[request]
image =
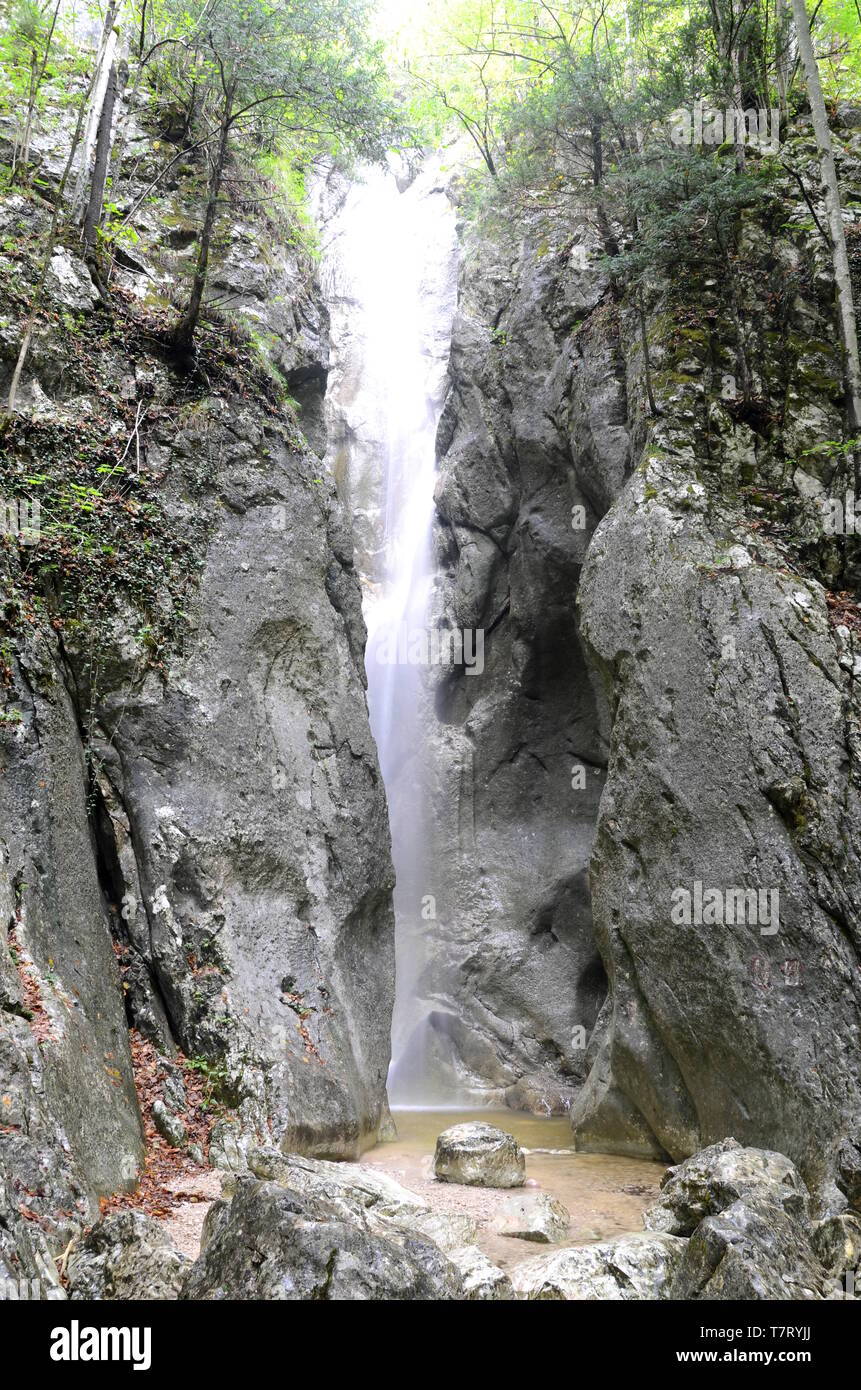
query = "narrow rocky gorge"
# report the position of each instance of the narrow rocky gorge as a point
(595, 893)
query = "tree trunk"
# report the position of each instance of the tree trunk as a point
(780, 16)
(489, 160)
(142, 37)
(723, 31)
(739, 123)
(839, 253)
(49, 251)
(122, 120)
(21, 153)
(596, 136)
(633, 69)
(100, 170)
(104, 59)
(35, 84)
(183, 334)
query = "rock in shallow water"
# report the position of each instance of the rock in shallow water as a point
(532, 1216)
(633, 1267)
(270, 1243)
(479, 1155)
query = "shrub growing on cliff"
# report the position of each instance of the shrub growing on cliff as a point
(306, 69)
(25, 50)
(681, 210)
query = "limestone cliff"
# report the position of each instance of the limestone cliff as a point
(670, 695)
(193, 825)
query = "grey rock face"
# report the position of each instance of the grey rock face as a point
(267, 863)
(748, 726)
(849, 1169)
(706, 676)
(836, 1241)
(732, 1223)
(173, 1089)
(70, 1106)
(241, 819)
(631, 1268)
(33, 1178)
(354, 1192)
(533, 1216)
(70, 282)
(713, 1179)
(479, 1155)
(751, 1250)
(270, 1243)
(540, 1096)
(604, 1120)
(849, 115)
(227, 1147)
(733, 764)
(449, 1230)
(128, 1256)
(374, 1201)
(228, 826)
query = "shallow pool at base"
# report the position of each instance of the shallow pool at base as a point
(605, 1195)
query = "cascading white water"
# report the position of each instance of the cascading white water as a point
(390, 280)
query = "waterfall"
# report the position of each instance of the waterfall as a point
(389, 274)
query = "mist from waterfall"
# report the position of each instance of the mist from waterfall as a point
(390, 279)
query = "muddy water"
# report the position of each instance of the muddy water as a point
(605, 1196)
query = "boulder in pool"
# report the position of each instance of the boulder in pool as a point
(479, 1155)
(532, 1216)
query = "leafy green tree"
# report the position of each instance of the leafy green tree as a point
(681, 209)
(306, 67)
(461, 66)
(25, 50)
(51, 242)
(837, 232)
